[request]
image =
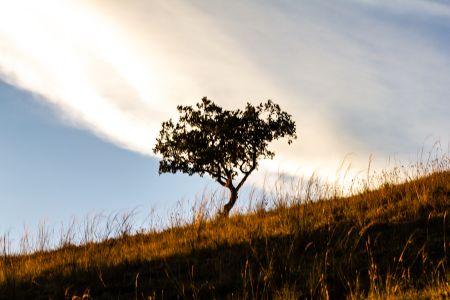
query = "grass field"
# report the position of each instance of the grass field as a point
(389, 239)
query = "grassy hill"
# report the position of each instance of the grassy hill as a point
(391, 242)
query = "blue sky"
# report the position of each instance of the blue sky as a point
(85, 85)
(53, 173)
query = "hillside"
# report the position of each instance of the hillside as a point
(390, 242)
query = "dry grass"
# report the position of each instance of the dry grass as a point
(387, 242)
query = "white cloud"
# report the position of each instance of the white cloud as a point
(120, 73)
(355, 80)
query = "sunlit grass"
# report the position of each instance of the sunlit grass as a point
(388, 238)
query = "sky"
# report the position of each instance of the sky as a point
(85, 85)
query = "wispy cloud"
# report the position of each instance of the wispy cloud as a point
(118, 73)
(355, 75)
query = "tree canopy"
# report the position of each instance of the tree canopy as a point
(226, 144)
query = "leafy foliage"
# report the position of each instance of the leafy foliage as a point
(225, 144)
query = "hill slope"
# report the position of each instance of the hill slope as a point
(393, 241)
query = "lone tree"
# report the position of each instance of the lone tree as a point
(226, 144)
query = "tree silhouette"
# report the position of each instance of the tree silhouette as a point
(226, 144)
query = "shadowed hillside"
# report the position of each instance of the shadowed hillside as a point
(391, 241)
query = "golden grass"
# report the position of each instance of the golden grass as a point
(389, 242)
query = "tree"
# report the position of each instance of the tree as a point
(226, 144)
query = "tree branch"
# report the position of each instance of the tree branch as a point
(220, 178)
(254, 164)
(228, 173)
(245, 178)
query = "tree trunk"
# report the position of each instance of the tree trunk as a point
(230, 204)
